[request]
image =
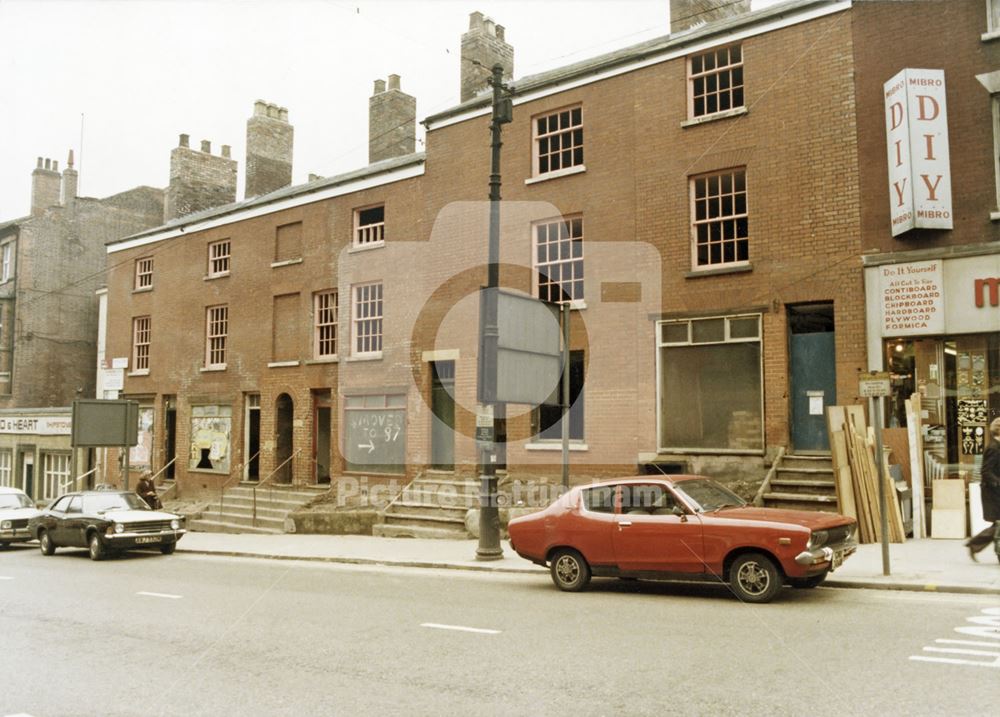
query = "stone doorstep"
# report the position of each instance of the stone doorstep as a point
(215, 526)
(391, 530)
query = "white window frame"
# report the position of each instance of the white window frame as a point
(141, 333)
(55, 474)
(219, 258)
(371, 235)
(727, 339)
(721, 219)
(367, 314)
(569, 129)
(566, 227)
(715, 71)
(992, 19)
(7, 261)
(6, 465)
(326, 305)
(216, 335)
(144, 273)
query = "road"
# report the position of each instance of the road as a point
(200, 635)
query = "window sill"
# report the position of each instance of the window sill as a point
(556, 446)
(286, 262)
(206, 471)
(721, 271)
(995, 216)
(364, 357)
(738, 112)
(212, 277)
(282, 364)
(212, 369)
(579, 169)
(358, 248)
(138, 373)
(143, 290)
(990, 36)
(325, 359)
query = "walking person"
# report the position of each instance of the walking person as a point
(990, 487)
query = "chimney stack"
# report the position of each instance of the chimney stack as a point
(45, 186)
(269, 150)
(484, 43)
(688, 14)
(70, 181)
(198, 180)
(392, 121)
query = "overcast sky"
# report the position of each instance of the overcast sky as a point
(120, 80)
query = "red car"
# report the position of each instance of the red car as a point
(683, 527)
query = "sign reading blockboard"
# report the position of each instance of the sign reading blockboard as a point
(98, 422)
(375, 439)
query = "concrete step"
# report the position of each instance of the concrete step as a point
(796, 460)
(425, 510)
(438, 496)
(795, 471)
(242, 503)
(301, 494)
(392, 530)
(800, 486)
(425, 520)
(276, 522)
(800, 501)
(217, 526)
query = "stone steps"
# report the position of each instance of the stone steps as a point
(234, 511)
(429, 507)
(803, 482)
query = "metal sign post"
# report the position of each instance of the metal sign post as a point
(876, 385)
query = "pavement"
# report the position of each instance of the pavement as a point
(925, 565)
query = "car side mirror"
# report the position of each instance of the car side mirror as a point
(678, 511)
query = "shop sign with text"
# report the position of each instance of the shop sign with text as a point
(916, 124)
(36, 425)
(912, 298)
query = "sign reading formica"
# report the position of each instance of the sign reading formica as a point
(916, 127)
(912, 298)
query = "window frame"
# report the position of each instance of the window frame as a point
(376, 227)
(721, 219)
(571, 222)
(357, 336)
(141, 339)
(578, 404)
(332, 326)
(537, 138)
(7, 263)
(716, 71)
(50, 475)
(216, 259)
(992, 19)
(215, 316)
(143, 280)
(7, 467)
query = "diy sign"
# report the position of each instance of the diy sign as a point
(916, 127)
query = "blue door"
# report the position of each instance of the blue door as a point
(814, 387)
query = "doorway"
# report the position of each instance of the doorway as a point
(443, 410)
(251, 438)
(284, 417)
(170, 435)
(812, 374)
(27, 461)
(321, 435)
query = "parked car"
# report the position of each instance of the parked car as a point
(683, 527)
(16, 509)
(105, 522)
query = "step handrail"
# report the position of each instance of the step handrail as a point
(237, 475)
(75, 482)
(266, 480)
(758, 499)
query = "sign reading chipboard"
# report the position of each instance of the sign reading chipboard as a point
(916, 126)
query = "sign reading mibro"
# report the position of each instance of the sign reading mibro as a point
(916, 128)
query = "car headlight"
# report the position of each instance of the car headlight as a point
(6, 525)
(175, 524)
(818, 539)
(119, 528)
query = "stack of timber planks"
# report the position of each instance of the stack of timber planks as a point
(852, 445)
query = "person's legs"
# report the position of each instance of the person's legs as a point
(996, 538)
(981, 539)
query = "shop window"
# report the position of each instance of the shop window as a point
(141, 454)
(6, 474)
(375, 433)
(211, 432)
(55, 475)
(710, 385)
(548, 418)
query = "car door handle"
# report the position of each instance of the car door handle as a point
(624, 524)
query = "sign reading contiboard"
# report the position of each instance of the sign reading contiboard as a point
(874, 384)
(916, 128)
(912, 298)
(98, 422)
(375, 439)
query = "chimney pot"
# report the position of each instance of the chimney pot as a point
(55, 165)
(272, 111)
(500, 32)
(39, 163)
(393, 82)
(206, 146)
(226, 150)
(69, 161)
(48, 163)
(260, 107)
(283, 114)
(379, 87)
(184, 141)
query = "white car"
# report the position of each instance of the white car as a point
(16, 509)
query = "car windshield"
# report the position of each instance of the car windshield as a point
(707, 495)
(15, 500)
(113, 501)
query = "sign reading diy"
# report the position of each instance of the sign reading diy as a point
(916, 125)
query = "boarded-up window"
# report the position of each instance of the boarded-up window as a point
(288, 242)
(285, 336)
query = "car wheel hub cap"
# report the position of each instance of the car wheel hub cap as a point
(753, 578)
(567, 570)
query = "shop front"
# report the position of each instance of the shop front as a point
(934, 325)
(35, 451)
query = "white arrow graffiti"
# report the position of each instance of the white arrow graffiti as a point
(370, 446)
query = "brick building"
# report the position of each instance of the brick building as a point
(702, 201)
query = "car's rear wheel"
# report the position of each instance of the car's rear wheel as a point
(95, 547)
(570, 571)
(45, 543)
(807, 583)
(168, 549)
(754, 578)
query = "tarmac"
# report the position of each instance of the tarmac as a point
(925, 565)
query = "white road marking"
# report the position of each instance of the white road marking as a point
(19, 714)
(961, 651)
(987, 625)
(7, 577)
(460, 628)
(952, 661)
(970, 643)
(161, 595)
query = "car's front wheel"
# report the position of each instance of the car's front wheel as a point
(807, 583)
(754, 578)
(95, 547)
(168, 549)
(570, 571)
(45, 543)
